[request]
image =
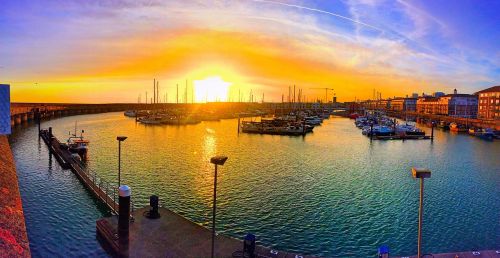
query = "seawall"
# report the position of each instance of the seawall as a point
(13, 236)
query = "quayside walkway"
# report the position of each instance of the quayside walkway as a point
(172, 235)
(470, 254)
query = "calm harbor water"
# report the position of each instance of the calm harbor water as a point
(331, 193)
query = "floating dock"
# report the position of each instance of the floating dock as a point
(101, 189)
(401, 137)
(172, 235)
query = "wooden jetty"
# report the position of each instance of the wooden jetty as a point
(101, 189)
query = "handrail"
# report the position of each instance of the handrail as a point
(104, 187)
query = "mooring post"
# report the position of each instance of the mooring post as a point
(50, 135)
(371, 131)
(432, 131)
(37, 119)
(238, 123)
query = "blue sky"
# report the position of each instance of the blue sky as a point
(397, 46)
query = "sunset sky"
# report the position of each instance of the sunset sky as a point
(110, 51)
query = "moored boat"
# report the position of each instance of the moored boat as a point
(454, 127)
(407, 129)
(487, 134)
(77, 144)
(130, 113)
(353, 115)
(443, 125)
(151, 120)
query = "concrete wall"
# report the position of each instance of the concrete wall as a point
(13, 236)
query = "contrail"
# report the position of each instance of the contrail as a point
(321, 11)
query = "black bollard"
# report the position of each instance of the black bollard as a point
(249, 246)
(153, 212)
(124, 212)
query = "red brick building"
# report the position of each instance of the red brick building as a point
(489, 103)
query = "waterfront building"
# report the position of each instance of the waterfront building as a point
(404, 104)
(385, 104)
(460, 105)
(489, 103)
(456, 105)
(431, 105)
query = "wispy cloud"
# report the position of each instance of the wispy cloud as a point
(375, 42)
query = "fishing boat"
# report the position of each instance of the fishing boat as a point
(77, 144)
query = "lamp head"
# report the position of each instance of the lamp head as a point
(121, 138)
(421, 173)
(218, 160)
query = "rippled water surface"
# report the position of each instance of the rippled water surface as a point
(331, 193)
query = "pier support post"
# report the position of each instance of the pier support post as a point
(50, 135)
(38, 118)
(124, 218)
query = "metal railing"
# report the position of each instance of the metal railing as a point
(101, 186)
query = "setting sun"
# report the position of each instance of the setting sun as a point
(211, 89)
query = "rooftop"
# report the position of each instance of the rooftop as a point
(490, 89)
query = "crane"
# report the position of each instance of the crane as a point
(326, 92)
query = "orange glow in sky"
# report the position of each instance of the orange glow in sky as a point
(101, 53)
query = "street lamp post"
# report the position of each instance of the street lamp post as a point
(120, 139)
(217, 160)
(420, 173)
